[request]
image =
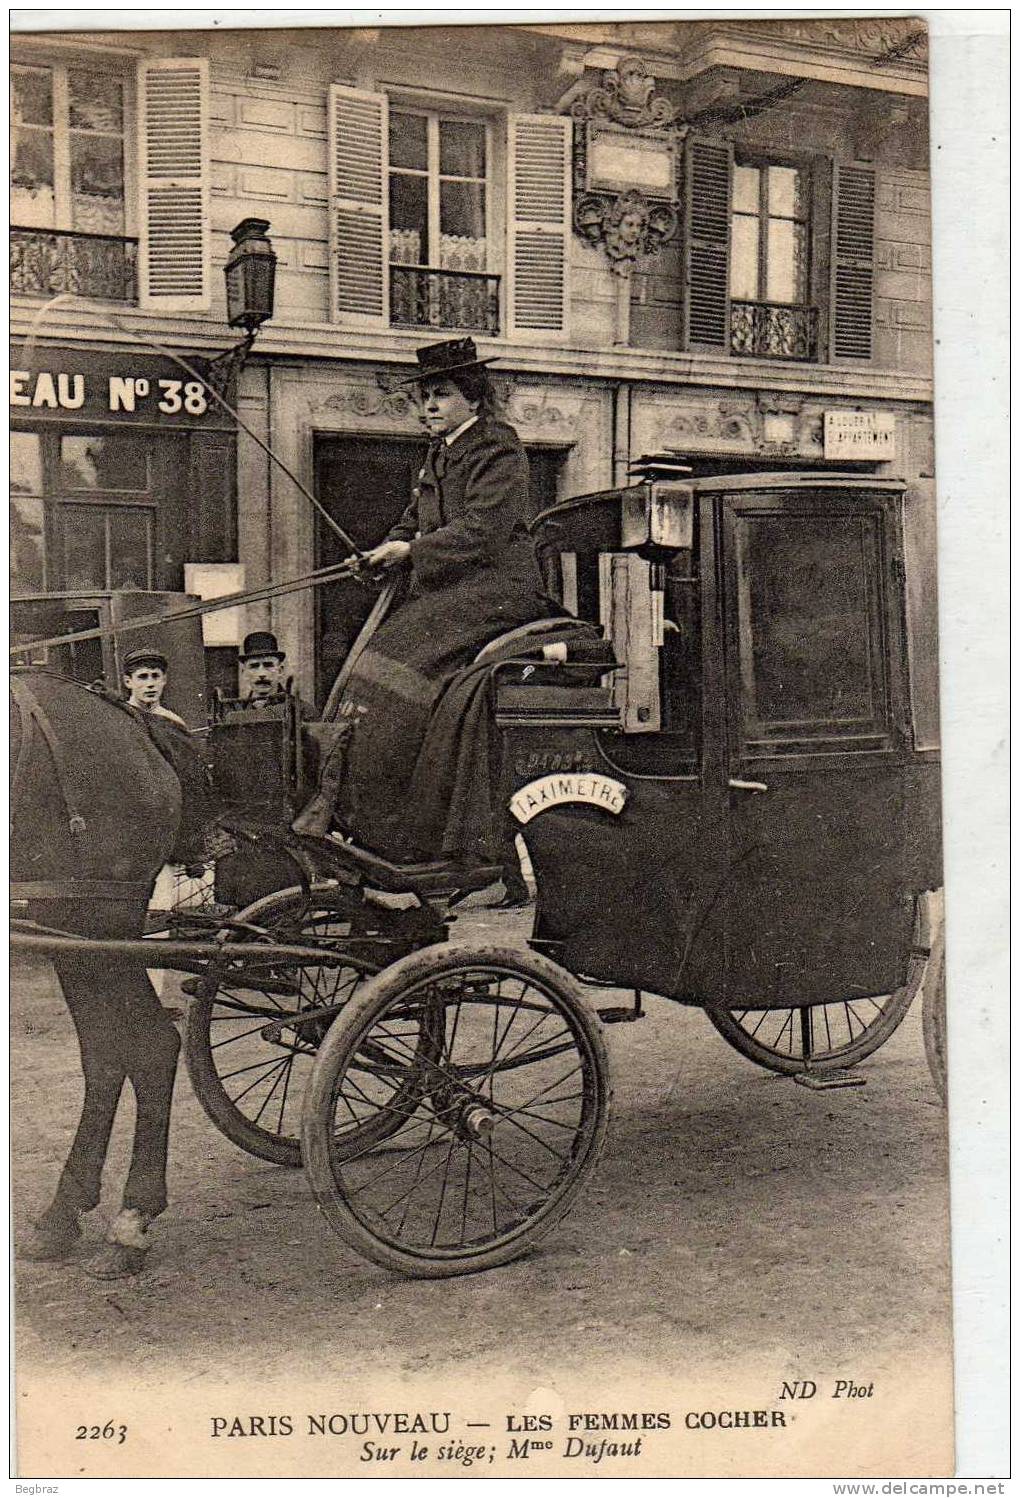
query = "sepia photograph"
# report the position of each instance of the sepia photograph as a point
(478, 980)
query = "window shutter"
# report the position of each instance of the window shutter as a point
(708, 178)
(359, 207)
(853, 262)
(174, 271)
(539, 159)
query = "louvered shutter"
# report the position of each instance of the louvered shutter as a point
(173, 258)
(539, 159)
(359, 207)
(708, 177)
(851, 297)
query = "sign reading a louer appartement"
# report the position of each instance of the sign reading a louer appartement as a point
(860, 434)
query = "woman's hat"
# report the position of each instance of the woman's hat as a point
(261, 642)
(144, 658)
(437, 360)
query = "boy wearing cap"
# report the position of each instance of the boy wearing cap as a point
(145, 679)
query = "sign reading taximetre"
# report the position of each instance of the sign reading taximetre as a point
(588, 789)
(868, 435)
(82, 384)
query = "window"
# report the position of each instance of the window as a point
(92, 216)
(777, 258)
(28, 573)
(83, 514)
(68, 131)
(770, 234)
(770, 249)
(68, 178)
(412, 239)
(439, 233)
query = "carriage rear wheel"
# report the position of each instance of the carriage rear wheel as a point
(247, 1059)
(818, 1037)
(484, 1072)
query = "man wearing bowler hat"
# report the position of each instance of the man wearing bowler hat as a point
(260, 674)
(145, 678)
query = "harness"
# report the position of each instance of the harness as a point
(34, 717)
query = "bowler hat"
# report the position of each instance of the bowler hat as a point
(437, 360)
(145, 657)
(261, 642)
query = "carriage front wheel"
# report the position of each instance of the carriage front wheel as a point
(485, 1074)
(248, 1054)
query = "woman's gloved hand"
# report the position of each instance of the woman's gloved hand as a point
(389, 554)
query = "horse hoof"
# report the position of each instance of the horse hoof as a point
(49, 1244)
(116, 1261)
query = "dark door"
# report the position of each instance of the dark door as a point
(365, 483)
(816, 904)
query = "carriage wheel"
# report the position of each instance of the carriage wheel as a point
(933, 1020)
(818, 1037)
(489, 1072)
(249, 1072)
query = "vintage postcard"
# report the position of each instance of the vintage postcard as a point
(477, 1001)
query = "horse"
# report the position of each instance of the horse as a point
(96, 812)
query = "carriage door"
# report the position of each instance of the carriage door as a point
(815, 908)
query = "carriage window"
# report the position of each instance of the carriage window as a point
(812, 656)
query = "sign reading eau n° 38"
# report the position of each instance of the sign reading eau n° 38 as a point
(115, 394)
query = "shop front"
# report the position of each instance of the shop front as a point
(122, 472)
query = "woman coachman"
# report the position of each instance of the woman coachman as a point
(420, 767)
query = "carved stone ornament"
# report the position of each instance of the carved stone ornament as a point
(626, 97)
(627, 226)
(888, 38)
(371, 400)
(626, 222)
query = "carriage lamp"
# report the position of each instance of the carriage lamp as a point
(250, 274)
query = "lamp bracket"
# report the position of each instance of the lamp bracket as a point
(219, 371)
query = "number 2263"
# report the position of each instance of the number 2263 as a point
(107, 1432)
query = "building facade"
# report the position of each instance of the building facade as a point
(705, 237)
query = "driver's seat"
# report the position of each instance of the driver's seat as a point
(530, 636)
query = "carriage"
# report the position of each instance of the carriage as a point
(710, 758)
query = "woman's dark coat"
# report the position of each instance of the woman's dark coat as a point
(473, 576)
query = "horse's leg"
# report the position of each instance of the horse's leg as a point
(57, 1231)
(149, 1046)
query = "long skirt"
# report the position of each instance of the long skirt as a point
(423, 760)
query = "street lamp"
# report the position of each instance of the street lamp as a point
(250, 274)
